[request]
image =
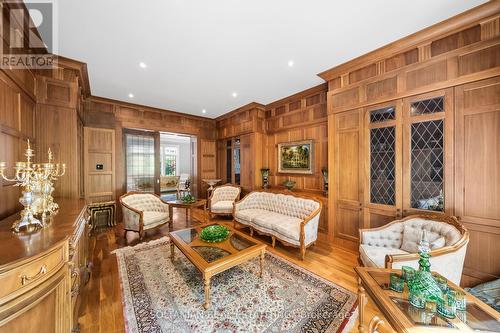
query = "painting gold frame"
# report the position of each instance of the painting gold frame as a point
(309, 169)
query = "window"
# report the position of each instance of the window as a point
(170, 160)
(140, 162)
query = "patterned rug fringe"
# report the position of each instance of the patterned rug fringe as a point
(352, 321)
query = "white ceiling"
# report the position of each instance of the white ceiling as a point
(199, 52)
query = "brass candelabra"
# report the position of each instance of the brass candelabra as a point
(36, 181)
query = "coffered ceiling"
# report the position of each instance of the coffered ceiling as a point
(218, 55)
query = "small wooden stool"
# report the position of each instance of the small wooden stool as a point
(102, 215)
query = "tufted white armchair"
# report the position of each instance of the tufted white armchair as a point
(222, 199)
(143, 211)
(395, 244)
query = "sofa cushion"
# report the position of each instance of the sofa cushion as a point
(289, 227)
(268, 219)
(412, 237)
(438, 243)
(435, 229)
(154, 218)
(224, 206)
(249, 214)
(374, 256)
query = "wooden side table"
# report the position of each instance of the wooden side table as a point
(188, 206)
(404, 317)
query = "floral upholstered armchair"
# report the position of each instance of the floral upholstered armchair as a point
(396, 244)
(143, 211)
(222, 199)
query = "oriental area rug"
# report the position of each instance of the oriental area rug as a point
(164, 296)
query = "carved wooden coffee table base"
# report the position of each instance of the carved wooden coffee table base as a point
(213, 258)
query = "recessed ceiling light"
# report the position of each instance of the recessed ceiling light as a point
(131, 95)
(142, 65)
(203, 111)
(235, 94)
(290, 63)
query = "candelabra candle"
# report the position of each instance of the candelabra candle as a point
(37, 187)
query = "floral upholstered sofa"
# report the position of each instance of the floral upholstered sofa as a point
(143, 211)
(396, 244)
(290, 219)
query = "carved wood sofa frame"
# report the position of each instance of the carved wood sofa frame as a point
(452, 220)
(302, 235)
(141, 219)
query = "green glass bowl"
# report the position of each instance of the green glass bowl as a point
(214, 234)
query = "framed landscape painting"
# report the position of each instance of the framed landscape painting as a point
(296, 157)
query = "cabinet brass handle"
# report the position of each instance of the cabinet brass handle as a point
(25, 279)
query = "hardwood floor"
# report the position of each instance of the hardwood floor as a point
(102, 309)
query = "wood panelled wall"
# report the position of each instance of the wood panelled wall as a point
(248, 124)
(41, 106)
(99, 149)
(59, 125)
(298, 117)
(17, 116)
(460, 60)
(261, 128)
(106, 113)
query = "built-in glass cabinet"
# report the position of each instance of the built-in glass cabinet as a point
(407, 145)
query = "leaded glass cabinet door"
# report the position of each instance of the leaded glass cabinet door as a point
(383, 165)
(428, 153)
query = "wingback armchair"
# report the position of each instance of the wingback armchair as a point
(222, 199)
(143, 211)
(395, 244)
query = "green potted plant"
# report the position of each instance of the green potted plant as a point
(289, 184)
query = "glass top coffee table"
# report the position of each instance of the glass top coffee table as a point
(213, 258)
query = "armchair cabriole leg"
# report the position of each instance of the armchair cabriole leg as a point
(302, 251)
(274, 241)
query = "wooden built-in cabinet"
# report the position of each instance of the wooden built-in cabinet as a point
(43, 274)
(477, 175)
(408, 157)
(346, 176)
(414, 127)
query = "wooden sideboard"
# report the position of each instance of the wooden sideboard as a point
(42, 274)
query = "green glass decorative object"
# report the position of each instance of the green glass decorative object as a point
(189, 199)
(408, 273)
(289, 184)
(417, 298)
(397, 283)
(460, 300)
(431, 305)
(448, 308)
(442, 283)
(423, 281)
(214, 233)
